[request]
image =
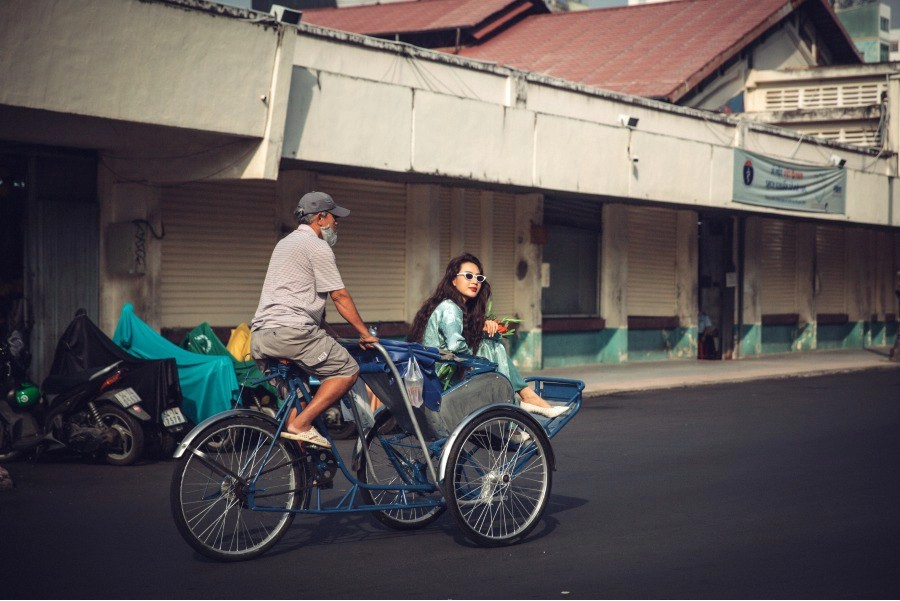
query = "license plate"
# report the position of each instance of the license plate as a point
(172, 417)
(127, 397)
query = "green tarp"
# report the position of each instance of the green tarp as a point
(203, 340)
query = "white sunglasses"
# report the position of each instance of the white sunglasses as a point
(469, 275)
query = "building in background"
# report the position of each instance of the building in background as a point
(869, 25)
(608, 218)
(844, 104)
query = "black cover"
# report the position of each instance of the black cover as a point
(84, 346)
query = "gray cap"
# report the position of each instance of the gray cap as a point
(318, 202)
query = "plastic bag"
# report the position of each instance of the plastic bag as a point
(414, 381)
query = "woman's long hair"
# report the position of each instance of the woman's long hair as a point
(473, 308)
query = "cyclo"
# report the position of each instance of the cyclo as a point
(237, 484)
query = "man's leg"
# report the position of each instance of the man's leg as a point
(329, 392)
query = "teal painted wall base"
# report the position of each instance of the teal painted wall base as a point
(562, 349)
(881, 333)
(760, 340)
(654, 345)
(524, 349)
(750, 341)
(620, 345)
(840, 336)
(804, 338)
(778, 339)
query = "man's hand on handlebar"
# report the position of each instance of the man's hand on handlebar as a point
(367, 340)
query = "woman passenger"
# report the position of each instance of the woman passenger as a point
(453, 319)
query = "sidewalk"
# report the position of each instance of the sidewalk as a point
(602, 379)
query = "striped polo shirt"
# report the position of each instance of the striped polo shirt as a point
(301, 273)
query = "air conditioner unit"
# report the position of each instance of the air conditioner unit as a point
(286, 15)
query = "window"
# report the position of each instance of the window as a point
(884, 55)
(572, 255)
(885, 24)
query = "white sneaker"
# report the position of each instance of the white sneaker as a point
(551, 412)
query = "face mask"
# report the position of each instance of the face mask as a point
(329, 235)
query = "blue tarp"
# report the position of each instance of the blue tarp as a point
(208, 383)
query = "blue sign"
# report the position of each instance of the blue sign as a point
(768, 182)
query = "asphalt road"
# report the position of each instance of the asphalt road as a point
(769, 489)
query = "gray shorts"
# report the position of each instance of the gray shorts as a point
(310, 347)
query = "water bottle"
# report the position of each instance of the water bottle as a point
(414, 382)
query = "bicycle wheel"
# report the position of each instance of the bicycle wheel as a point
(213, 484)
(397, 458)
(498, 488)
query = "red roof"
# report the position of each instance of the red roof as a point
(400, 17)
(657, 50)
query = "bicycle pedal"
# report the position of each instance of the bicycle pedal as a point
(322, 467)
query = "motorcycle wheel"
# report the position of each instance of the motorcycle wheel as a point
(7, 453)
(338, 427)
(129, 444)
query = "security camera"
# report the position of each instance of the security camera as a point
(635, 158)
(628, 121)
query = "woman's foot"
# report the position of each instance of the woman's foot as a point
(533, 403)
(550, 411)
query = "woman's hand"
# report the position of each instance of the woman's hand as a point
(491, 327)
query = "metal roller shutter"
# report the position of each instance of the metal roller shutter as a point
(472, 223)
(573, 256)
(778, 264)
(444, 215)
(371, 248)
(218, 240)
(651, 262)
(503, 261)
(831, 268)
(584, 214)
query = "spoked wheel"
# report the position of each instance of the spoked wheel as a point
(397, 458)
(498, 486)
(127, 444)
(213, 485)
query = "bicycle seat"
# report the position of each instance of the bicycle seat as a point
(283, 370)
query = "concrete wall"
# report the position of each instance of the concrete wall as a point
(377, 105)
(138, 62)
(169, 94)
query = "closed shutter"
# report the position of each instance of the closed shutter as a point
(584, 214)
(445, 195)
(831, 269)
(218, 239)
(572, 254)
(503, 261)
(651, 262)
(779, 267)
(472, 222)
(371, 248)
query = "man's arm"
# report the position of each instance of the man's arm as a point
(347, 308)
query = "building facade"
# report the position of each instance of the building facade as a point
(157, 161)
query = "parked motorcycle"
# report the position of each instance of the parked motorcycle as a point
(83, 346)
(87, 412)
